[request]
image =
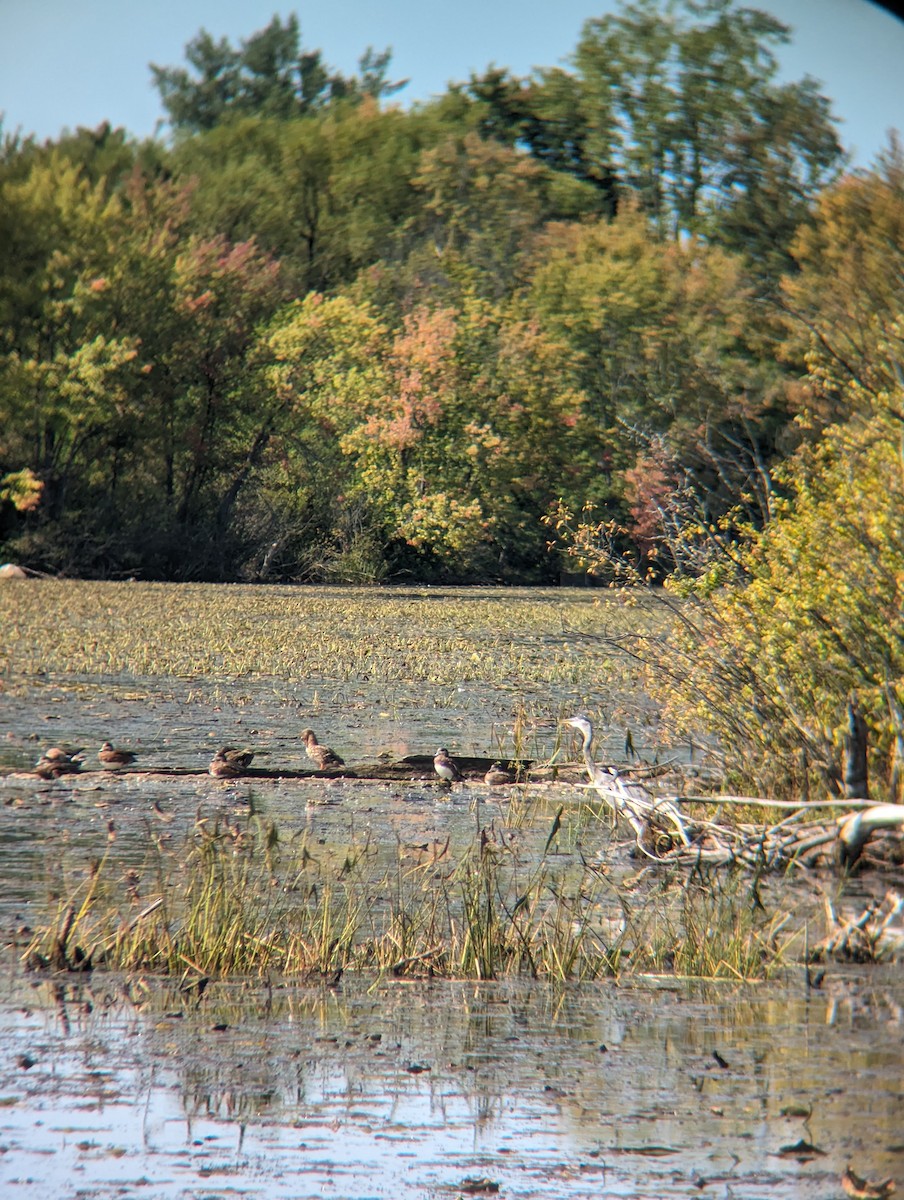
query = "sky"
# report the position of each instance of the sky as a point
(66, 63)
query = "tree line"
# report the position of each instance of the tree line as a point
(314, 335)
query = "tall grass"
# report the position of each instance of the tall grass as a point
(234, 901)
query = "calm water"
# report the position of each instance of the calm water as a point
(114, 1087)
(409, 1090)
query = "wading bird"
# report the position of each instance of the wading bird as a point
(111, 757)
(325, 758)
(230, 763)
(597, 774)
(445, 767)
(631, 800)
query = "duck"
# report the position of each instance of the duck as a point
(230, 763)
(445, 767)
(56, 762)
(111, 757)
(498, 775)
(325, 758)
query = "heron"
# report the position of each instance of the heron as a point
(597, 774)
(631, 800)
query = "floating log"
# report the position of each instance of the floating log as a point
(413, 767)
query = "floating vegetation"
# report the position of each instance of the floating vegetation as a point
(237, 900)
(391, 635)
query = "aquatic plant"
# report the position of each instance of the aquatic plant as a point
(237, 901)
(193, 630)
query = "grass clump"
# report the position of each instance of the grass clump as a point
(236, 901)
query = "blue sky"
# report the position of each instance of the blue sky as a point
(65, 63)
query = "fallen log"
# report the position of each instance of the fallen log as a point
(412, 768)
(865, 937)
(856, 830)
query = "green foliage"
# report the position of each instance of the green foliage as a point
(327, 195)
(663, 348)
(267, 75)
(819, 618)
(845, 299)
(320, 339)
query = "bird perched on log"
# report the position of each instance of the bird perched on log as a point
(446, 767)
(325, 758)
(230, 763)
(110, 756)
(56, 762)
(498, 775)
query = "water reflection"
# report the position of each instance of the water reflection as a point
(646, 1091)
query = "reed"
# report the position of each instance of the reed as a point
(236, 902)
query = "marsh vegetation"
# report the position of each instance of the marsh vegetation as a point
(528, 880)
(210, 977)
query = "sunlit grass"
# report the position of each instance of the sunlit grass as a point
(443, 638)
(235, 901)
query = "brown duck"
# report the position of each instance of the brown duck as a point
(230, 763)
(56, 762)
(110, 756)
(446, 767)
(498, 775)
(325, 758)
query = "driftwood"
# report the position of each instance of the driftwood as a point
(413, 768)
(663, 830)
(855, 830)
(865, 937)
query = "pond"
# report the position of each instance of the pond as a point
(370, 1085)
(116, 1087)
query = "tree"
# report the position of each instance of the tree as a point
(326, 372)
(676, 106)
(664, 339)
(328, 194)
(268, 75)
(479, 426)
(842, 304)
(481, 205)
(128, 388)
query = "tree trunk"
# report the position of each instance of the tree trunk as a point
(856, 784)
(896, 711)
